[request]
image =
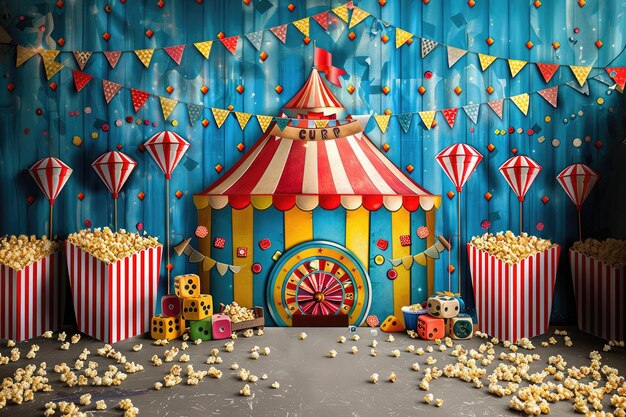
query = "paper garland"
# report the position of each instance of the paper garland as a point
(220, 116)
(522, 102)
(402, 36)
(145, 56)
(167, 106)
(485, 61)
(256, 39)
(428, 46)
(280, 32)
(550, 95)
(358, 15)
(515, 65)
(81, 58)
(427, 118)
(303, 26)
(432, 252)
(497, 106)
(382, 120)
(454, 54)
(242, 118)
(580, 73)
(175, 52)
(113, 57)
(207, 262)
(204, 48)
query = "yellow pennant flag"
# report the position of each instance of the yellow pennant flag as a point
(521, 101)
(4, 36)
(220, 116)
(167, 105)
(23, 55)
(580, 73)
(383, 121)
(407, 262)
(242, 118)
(420, 258)
(204, 48)
(49, 64)
(303, 26)
(342, 12)
(264, 121)
(145, 56)
(428, 117)
(402, 36)
(358, 15)
(49, 55)
(321, 123)
(208, 264)
(516, 66)
(485, 61)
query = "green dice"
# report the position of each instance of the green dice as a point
(201, 329)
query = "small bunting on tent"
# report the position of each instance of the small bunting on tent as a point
(176, 53)
(454, 54)
(303, 26)
(81, 79)
(322, 19)
(421, 258)
(139, 98)
(358, 15)
(219, 115)
(515, 65)
(145, 56)
(207, 263)
(222, 268)
(242, 118)
(230, 43)
(618, 75)
(485, 61)
(81, 58)
(23, 55)
(282, 122)
(167, 106)
(382, 120)
(110, 89)
(321, 123)
(280, 32)
(427, 118)
(194, 111)
(204, 48)
(402, 36)
(522, 101)
(450, 115)
(405, 121)
(584, 89)
(547, 70)
(550, 94)
(496, 106)
(472, 112)
(580, 73)
(342, 12)
(256, 39)
(363, 119)
(428, 46)
(113, 57)
(264, 121)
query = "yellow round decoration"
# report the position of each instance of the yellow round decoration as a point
(379, 259)
(600, 100)
(174, 123)
(94, 135)
(548, 119)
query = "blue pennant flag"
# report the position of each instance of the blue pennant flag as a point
(282, 122)
(582, 90)
(195, 111)
(256, 38)
(405, 121)
(472, 112)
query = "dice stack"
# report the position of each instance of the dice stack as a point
(444, 318)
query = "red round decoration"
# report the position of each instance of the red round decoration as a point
(423, 232)
(105, 127)
(256, 268)
(87, 223)
(146, 122)
(38, 112)
(511, 129)
(372, 320)
(139, 226)
(576, 30)
(485, 224)
(129, 119)
(539, 226)
(201, 231)
(531, 132)
(428, 75)
(392, 274)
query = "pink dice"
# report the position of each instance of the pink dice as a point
(171, 306)
(221, 326)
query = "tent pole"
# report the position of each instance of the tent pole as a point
(167, 230)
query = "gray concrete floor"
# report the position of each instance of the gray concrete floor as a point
(310, 383)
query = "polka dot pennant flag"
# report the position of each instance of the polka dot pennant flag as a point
(113, 57)
(342, 12)
(405, 121)
(81, 58)
(454, 54)
(264, 121)
(175, 52)
(450, 115)
(139, 98)
(110, 89)
(303, 26)
(230, 43)
(496, 106)
(256, 39)
(320, 123)
(280, 32)
(427, 46)
(427, 118)
(282, 122)
(382, 120)
(23, 55)
(402, 36)
(242, 118)
(145, 56)
(358, 15)
(167, 105)
(550, 94)
(522, 102)
(322, 19)
(580, 73)
(194, 111)
(515, 65)
(204, 48)
(547, 70)
(219, 115)
(472, 112)
(618, 75)
(485, 61)
(81, 79)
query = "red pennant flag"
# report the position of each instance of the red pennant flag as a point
(139, 98)
(280, 32)
(550, 94)
(113, 57)
(497, 106)
(230, 43)
(618, 75)
(322, 19)
(323, 60)
(450, 115)
(81, 79)
(110, 89)
(175, 52)
(547, 70)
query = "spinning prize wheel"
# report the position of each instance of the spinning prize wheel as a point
(318, 278)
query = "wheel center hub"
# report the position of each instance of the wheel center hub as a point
(318, 297)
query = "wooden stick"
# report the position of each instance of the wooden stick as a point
(580, 228)
(458, 208)
(50, 231)
(167, 230)
(521, 217)
(115, 213)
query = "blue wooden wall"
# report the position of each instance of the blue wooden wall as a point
(26, 137)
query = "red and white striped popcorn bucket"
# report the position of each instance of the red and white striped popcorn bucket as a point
(114, 301)
(513, 301)
(600, 291)
(32, 299)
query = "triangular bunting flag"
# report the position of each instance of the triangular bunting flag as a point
(407, 262)
(496, 106)
(49, 55)
(81, 58)
(402, 36)
(194, 111)
(405, 121)
(256, 39)
(382, 120)
(358, 15)
(515, 65)
(230, 43)
(485, 61)
(618, 75)
(81, 79)
(604, 79)
(550, 94)
(420, 258)
(242, 118)
(222, 268)
(396, 262)
(303, 26)
(208, 264)
(428, 46)
(4, 36)
(547, 70)
(431, 252)
(427, 118)
(450, 115)
(204, 48)
(219, 115)
(235, 269)
(113, 57)
(264, 121)
(472, 112)
(322, 19)
(321, 123)
(176, 53)
(167, 105)
(522, 102)
(145, 56)
(23, 55)
(363, 119)
(280, 32)
(196, 257)
(139, 98)
(580, 73)
(342, 12)
(454, 54)
(110, 89)
(584, 89)
(282, 122)
(51, 67)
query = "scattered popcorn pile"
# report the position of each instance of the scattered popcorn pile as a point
(109, 246)
(239, 313)
(19, 251)
(509, 247)
(611, 251)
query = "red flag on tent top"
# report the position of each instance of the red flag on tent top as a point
(520, 172)
(167, 149)
(323, 60)
(114, 168)
(459, 161)
(50, 174)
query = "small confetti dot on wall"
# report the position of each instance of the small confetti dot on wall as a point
(450, 194)
(540, 226)
(485, 224)
(139, 226)
(80, 196)
(87, 223)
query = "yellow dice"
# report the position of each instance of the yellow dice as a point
(187, 286)
(198, 308)
(169, 328)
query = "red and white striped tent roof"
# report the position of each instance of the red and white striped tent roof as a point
(313, 97)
